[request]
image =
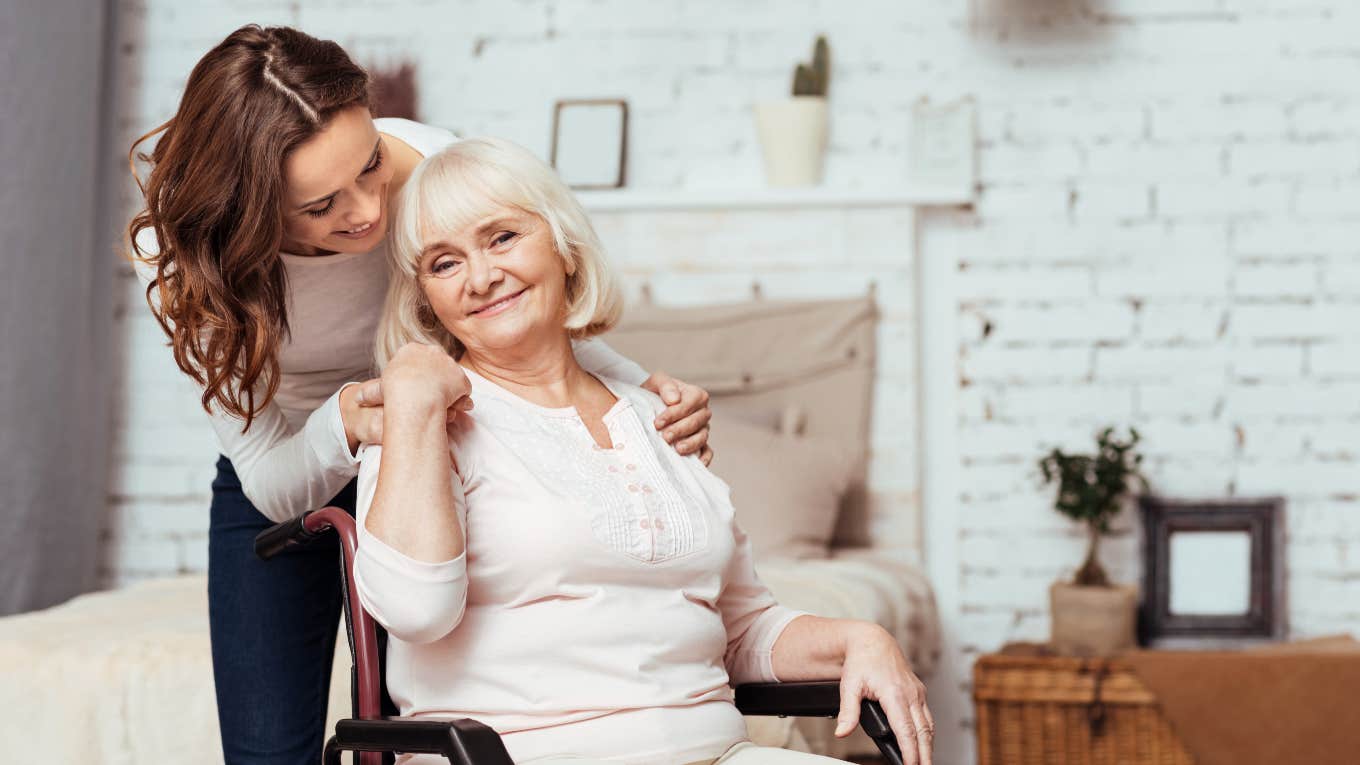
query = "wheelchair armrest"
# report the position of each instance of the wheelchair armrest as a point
(816, 699)
(462, 742)
(806, 699)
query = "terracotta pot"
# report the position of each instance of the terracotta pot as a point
(1093, 621)
(793, 139)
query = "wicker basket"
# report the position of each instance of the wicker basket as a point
(1048, 710)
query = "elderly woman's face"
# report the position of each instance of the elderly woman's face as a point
(498, 282)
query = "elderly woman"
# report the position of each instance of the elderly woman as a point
(546, 564)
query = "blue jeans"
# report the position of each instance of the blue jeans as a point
(273, 627)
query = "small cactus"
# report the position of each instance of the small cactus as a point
(804, 81)
(812, 80)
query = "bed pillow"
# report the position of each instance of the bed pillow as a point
(787, 489)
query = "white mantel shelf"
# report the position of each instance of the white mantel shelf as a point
(625, 200)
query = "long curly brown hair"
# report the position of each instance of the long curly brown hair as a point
(214, 200)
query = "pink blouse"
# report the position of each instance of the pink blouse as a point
(606, 601)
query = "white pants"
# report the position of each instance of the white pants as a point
(743, 753)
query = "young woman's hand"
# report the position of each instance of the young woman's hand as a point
(420, 377)
(684, 422)
(875, 669)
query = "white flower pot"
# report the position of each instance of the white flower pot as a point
(1092, 621)
(793, 139)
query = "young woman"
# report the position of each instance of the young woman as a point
(266, 215)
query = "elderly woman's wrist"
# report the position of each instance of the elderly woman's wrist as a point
(413, 412)
(415, 397)
(859, 635)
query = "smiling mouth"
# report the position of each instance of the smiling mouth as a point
(498, 306)
(358, 230)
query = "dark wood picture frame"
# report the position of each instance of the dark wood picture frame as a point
(623, 138)
(1263, 520)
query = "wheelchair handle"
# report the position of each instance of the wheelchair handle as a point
(292, 534)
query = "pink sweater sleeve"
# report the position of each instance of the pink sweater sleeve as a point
(753, 619)
(413, 600)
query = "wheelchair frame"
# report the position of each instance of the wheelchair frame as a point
(371, 732)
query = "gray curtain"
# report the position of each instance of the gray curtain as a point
(56, 262)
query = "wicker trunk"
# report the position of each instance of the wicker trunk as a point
(1041, 710)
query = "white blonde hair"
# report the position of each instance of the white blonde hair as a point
(462, 185)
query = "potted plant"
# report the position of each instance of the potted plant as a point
(1090, 615)
(793, 130)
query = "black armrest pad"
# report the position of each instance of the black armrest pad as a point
(464, 742)
(815, 699)
(808, 699)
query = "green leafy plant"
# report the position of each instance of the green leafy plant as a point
(1092, 489)
(812, 79)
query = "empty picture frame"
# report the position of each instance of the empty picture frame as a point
(942, 152)
(590, 142)
(1213, 573)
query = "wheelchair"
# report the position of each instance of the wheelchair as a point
(376, 733)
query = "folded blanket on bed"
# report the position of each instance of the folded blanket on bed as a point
(112, 677)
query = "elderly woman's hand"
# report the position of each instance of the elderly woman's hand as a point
(875, 669)
(418, 376)
(684, 422)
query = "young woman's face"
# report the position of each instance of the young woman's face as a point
(336, 183)
(497, 283)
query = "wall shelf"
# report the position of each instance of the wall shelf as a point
(625, 200)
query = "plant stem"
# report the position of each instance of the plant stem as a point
(1091, 573)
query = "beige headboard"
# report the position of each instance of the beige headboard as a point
(763, 359)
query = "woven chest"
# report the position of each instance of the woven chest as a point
(1043, 710)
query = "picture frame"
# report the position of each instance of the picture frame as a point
(590, 142)
(1213, 574)
(942, 150)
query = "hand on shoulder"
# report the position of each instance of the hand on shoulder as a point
(684, 421)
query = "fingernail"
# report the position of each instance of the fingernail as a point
(660, 423)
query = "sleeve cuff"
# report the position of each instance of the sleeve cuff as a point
(406, 567)
(756, 663)
(326, 434)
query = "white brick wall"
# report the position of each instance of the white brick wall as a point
(1219, 319)
(1166, 236)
